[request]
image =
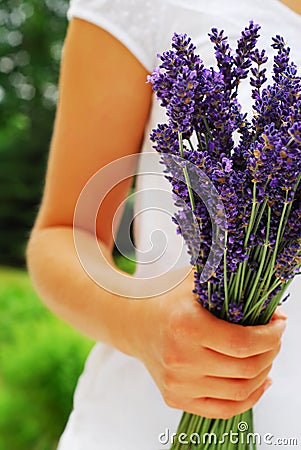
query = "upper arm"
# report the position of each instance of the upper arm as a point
(103, 107)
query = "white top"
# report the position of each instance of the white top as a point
(116, 404)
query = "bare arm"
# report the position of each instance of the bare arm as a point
(103, 106)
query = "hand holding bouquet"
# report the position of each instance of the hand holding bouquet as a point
(236, 182)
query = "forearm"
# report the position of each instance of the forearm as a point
(69, 292)
(178, 341)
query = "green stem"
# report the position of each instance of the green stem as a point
(259, 216)
(199, 141)
(258, 305)
(207, 128)
(290, 207)
(190, 144)
(241, 280)
(279, 233)
(187, 180)
(236, 283)
(209, 294)
(186, 175)
(252, 218)
(262, 263)
(226, 300)
(266, 274)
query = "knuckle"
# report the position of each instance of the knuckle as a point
(172, 357)
(236, 408)
(203, 408)
(278, 348)
(177, 321)
(250, 369)
(168, 382)
(275, 340)
(182, 321)
(167, 357)
(275, 335)
(240, 344)
(241, 394)
(254, 399)
(169, 348)
(170, 400)
(226, 412)
(266, 372)
(173, 354)
(211, 409)
(268, 369)
(280, 329)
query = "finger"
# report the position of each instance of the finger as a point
(230, 388)
(237, 340)
(207, 362)
(224, 409)
(217, 365)
(215, 387)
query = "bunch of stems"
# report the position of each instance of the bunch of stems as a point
(252, 288)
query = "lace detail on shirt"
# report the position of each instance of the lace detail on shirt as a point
(123, 19)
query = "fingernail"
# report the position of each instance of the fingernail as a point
(268, 382)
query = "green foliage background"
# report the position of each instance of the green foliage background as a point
(31, 38)
(41, 357)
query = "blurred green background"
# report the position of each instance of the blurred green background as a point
(41, 357)
(31, 37)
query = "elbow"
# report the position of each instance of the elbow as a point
(40, 265)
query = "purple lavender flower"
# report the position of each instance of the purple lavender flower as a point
(223, 54)
(177, 82)
(288, 261)
(245, 51)
(281, 60)
(235, 313)
(258, 72)
(257, 179)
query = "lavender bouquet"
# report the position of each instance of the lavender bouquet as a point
(254, 164)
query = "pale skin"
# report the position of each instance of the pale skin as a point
(200, 364)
